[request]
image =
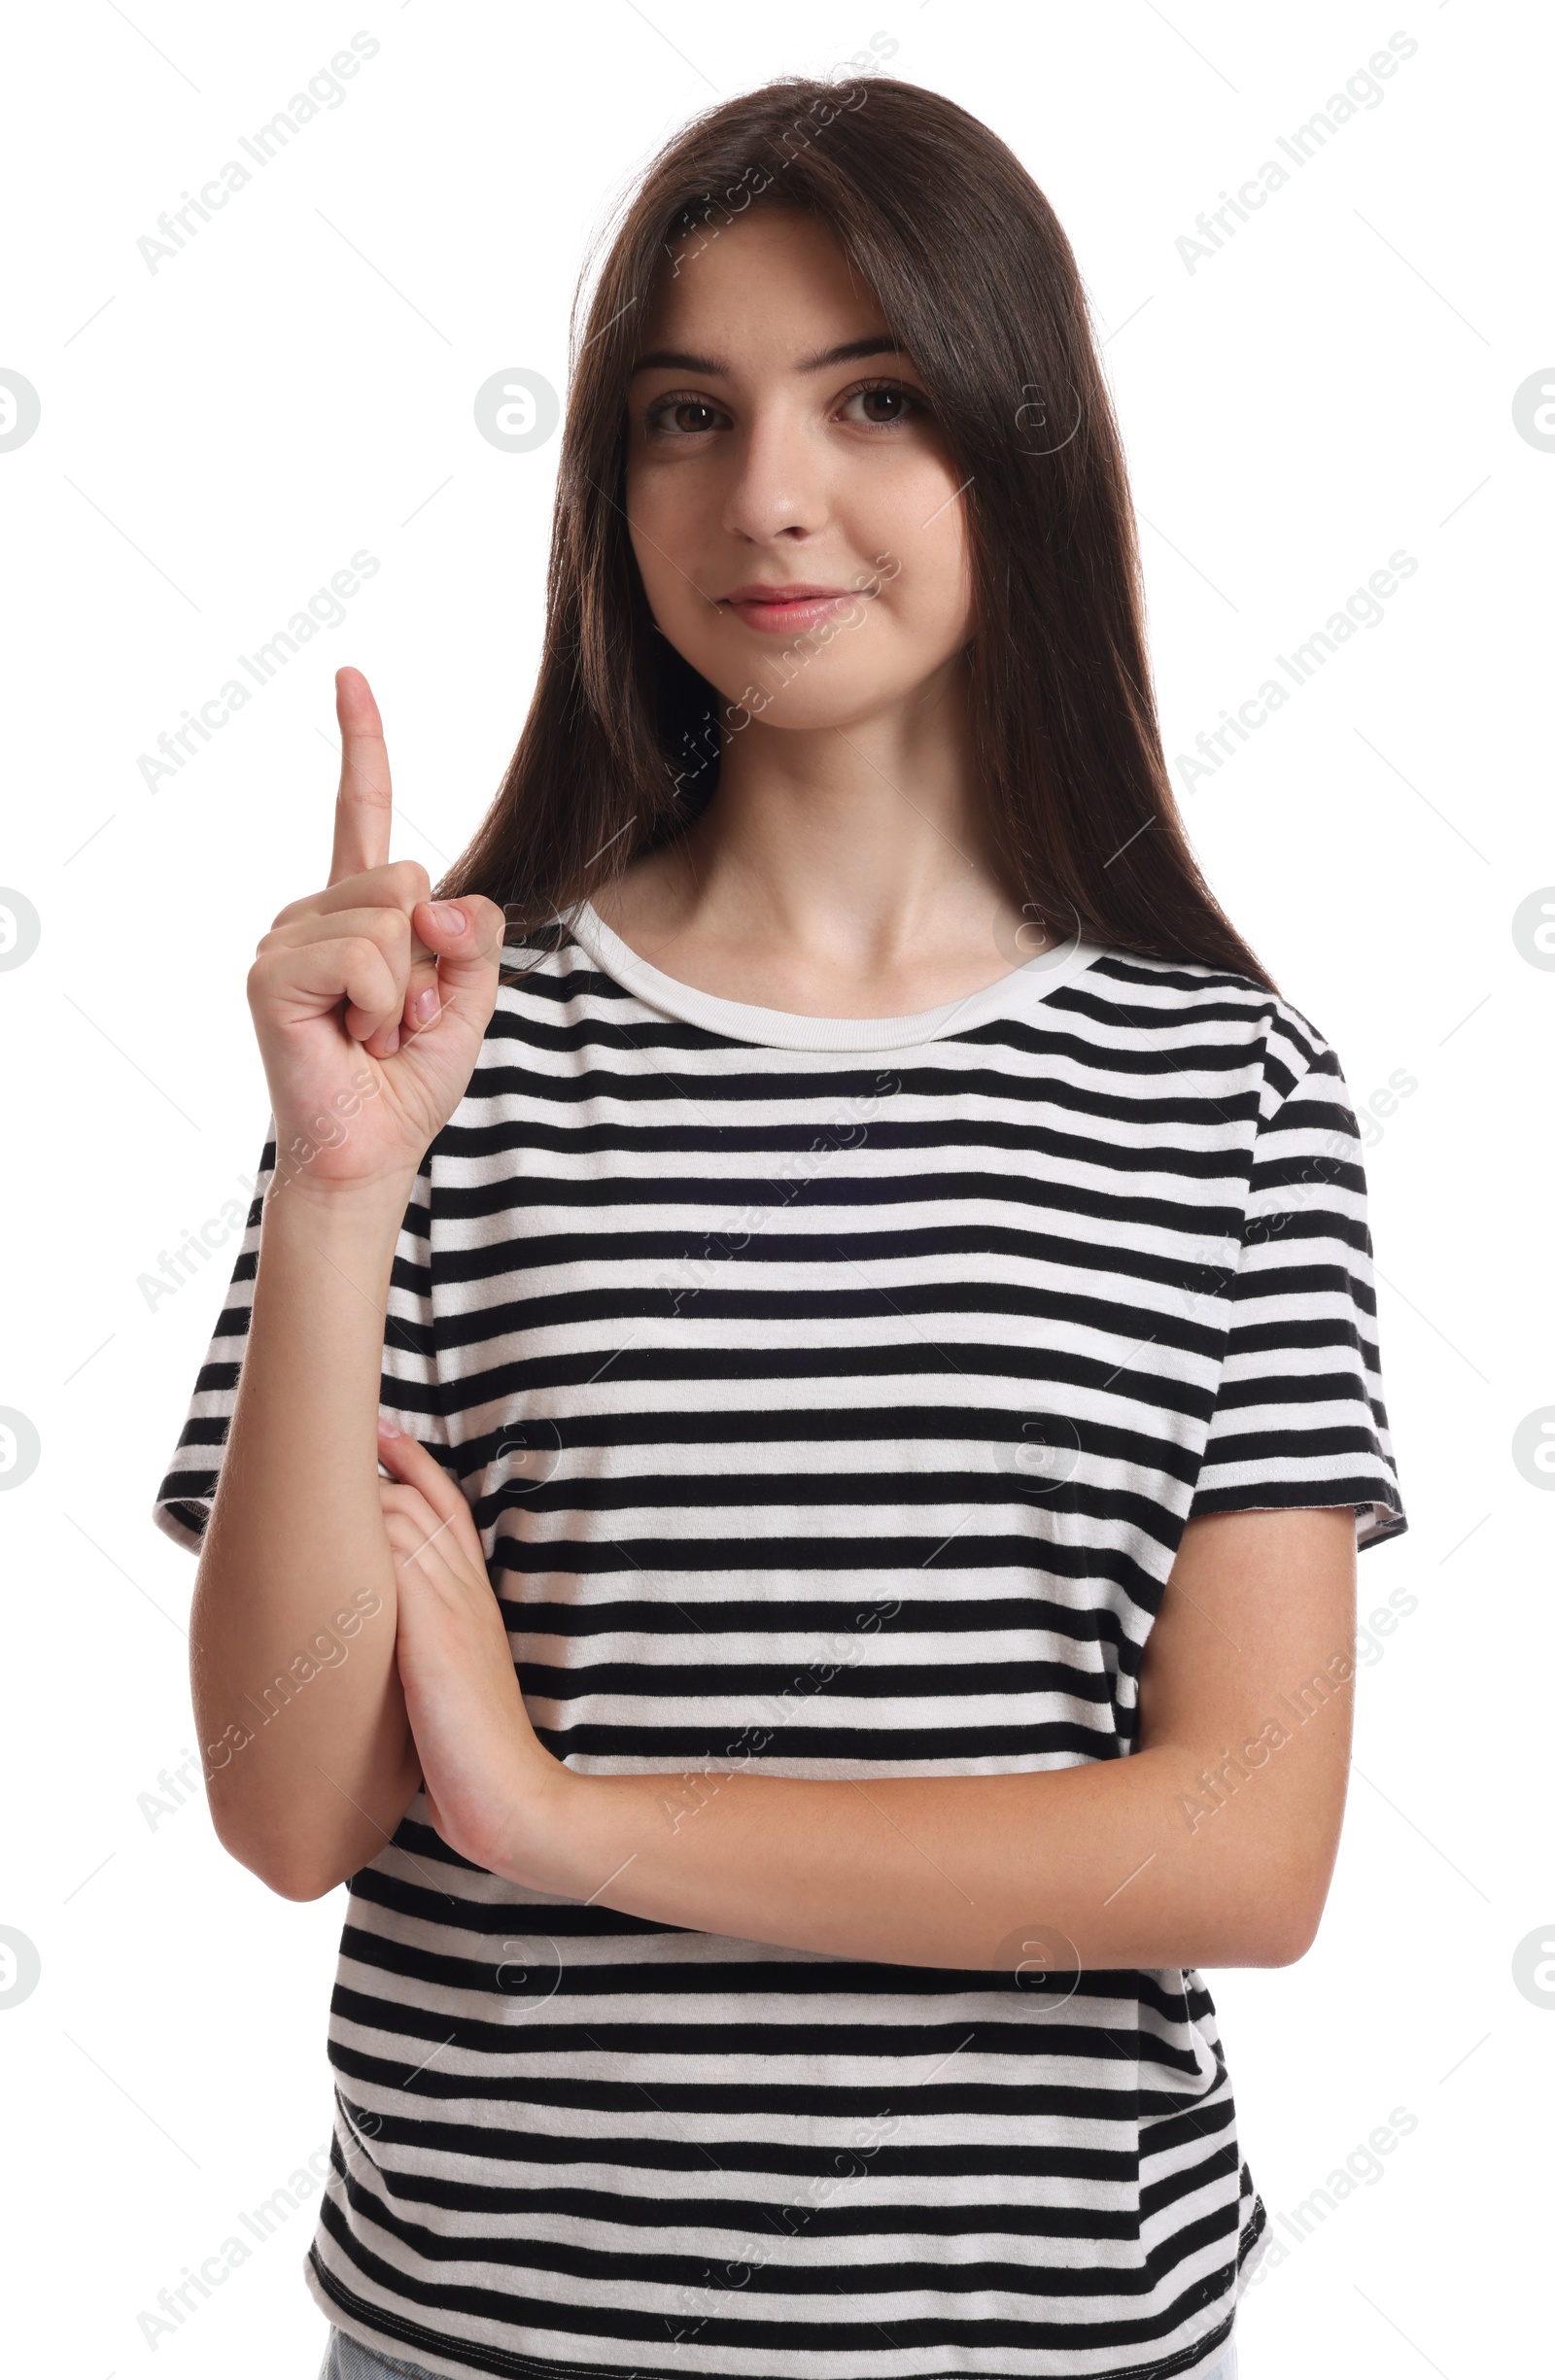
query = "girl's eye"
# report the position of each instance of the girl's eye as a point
(659, 420)
(889, 393)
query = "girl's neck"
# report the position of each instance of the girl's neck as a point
(841, 873)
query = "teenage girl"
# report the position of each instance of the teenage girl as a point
(786, 1449)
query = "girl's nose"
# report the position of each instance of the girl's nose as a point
(778, 484)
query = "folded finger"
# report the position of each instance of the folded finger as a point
(410, 1463)
(398, 883)
(313, 975)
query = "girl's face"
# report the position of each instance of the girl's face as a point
(777, 442)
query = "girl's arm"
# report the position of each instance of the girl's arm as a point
(308, 1755)
(369, 1003)
(1213, 1844)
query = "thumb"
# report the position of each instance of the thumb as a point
(465, 936)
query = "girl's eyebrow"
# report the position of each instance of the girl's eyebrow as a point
(678, 359)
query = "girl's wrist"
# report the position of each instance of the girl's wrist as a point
(353, 1204)
(352, 1233)
(538, 1838)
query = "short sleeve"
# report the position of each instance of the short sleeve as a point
(1299, 1418)
(408, 1394)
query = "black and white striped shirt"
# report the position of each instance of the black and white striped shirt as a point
(831, 1397)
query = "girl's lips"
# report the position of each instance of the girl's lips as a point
(780, 618)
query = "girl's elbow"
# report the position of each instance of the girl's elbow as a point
(1288, 1939)
(291, 1872)
(1283, 1927)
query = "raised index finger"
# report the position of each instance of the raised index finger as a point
(364, 802)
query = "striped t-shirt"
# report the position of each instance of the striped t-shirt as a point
(831, 1397)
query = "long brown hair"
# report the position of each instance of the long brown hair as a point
(979, 286)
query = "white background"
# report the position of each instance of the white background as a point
(218, 437)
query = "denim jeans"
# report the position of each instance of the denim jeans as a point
(344, 2359)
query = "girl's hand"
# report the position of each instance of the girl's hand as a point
(491, 1786)
(369, 1001)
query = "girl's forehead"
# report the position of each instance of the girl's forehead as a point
(774, 264)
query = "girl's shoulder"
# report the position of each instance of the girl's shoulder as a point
(1178, 996)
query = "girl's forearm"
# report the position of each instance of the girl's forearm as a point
(307, 1752)
(966, 1871)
